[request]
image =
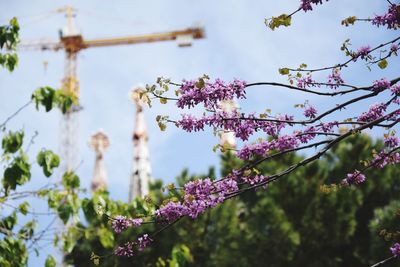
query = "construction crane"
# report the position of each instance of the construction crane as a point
(72, 42)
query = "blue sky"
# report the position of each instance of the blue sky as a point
(237, 45)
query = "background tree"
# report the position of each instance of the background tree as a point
(264, 228)
(23, 229)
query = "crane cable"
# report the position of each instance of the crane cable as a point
(28, 20)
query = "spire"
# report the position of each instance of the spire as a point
(141, 171)
(99, 142)
(227, 138)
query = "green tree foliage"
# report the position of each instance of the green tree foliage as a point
(18, 237)
(49, 98)
(9, 37)
(301, 221)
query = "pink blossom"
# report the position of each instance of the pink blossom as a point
(389, 19)
(380, 85)
(375, 111)
(362, 52)
(355, 178)
(210, 94)
(334, 79)
(306, 5)
(124, 251)
(310, 112)
(144, 241)
(395, 249)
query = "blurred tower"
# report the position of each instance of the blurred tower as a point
(227, 138)
(70, 123)
(141, 170)
(99, 142)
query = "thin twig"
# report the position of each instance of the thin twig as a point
(344, 64)
(15, 114)
(384, 261)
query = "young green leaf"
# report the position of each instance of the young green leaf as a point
(18, 173)
(12, 141)
(48, 161)
(50, 262)
(70, 180)
(383, 64)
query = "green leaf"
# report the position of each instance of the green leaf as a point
(276, 22)
(162, 126)
(54, 198)
(65, 100)
(9, 222)
(349, 21)
(18, 173)
(163, 100)
(9, 38)
(383, 64)
(50, 262)
(106, 238)
(181, 256)
(12, 141)
(14, 23)
(200, 83)
(44, 96)
(23, 207)
(64, 211)
(284, 71)
(28, 230)
(95, 258)
(9, 61)
(70, 238)
(48, 161)
(70, 180)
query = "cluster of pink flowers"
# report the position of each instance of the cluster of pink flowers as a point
(394, 48)
(121, 223)
(253, 180)
(283, 142)
(395, 89)
(305, 82)
(354, 178)
(210, 94)
(389, 19)
(190, 123)
(243, 126)
(125, 250)
(310, 112)
(381, 84)
(171, 211)
(383, 158)
(391, 141)
(199, 195)
(334, 79)
(362, 52)
(395, 249)
(144, 241)
(306, 5)
(374, 112)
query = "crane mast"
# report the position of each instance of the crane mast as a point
(70, 122)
